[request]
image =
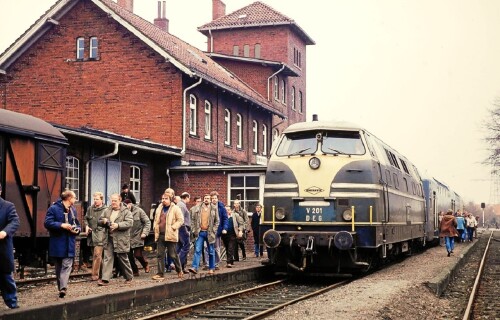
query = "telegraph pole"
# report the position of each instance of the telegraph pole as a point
(483, 205)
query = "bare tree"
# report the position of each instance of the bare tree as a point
(492, 126)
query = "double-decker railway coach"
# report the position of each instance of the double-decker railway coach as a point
(339, 200)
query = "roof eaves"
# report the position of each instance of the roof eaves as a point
(244, 96)
(309, 40)
(144, 38)
(105, 136)
(44, 23)
(264, 62)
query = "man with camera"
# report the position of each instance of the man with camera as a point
(63, 228)
(117, 221)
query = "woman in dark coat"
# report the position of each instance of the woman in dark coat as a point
(63, 228)
(259, 249)
(9, 223)
(448, 230)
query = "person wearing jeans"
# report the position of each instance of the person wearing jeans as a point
(204, 224)
(448, 231)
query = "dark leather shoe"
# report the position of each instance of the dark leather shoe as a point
(62, 293)
(103, 283)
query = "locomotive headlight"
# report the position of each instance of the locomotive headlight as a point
(347, 215)
(280, 213)
(314, 163)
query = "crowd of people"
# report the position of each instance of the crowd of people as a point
(458, 226)
(116, 235)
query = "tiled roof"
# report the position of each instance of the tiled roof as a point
(184, 56)
(191, 57)
(257, 14)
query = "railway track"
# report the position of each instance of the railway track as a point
(74, 277)
(254, 303)
(483, 301)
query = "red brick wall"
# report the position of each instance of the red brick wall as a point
(200, 183)
(129, 90)
(214, 150)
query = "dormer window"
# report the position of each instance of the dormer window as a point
(80, 48)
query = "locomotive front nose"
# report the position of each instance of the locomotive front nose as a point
(272, 238)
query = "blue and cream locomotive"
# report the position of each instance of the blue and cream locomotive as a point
(339, 200)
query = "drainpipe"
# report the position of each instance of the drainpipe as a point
(87, 164)
(211, 40)
(269, 79)
(184, 115)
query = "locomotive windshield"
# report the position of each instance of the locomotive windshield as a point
(343, 142)
(332, 142)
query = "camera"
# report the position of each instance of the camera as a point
(75, 229)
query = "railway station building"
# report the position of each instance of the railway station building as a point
(139, 106)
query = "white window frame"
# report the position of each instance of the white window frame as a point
(208, 120)
(192, 115)
(239, 127)
(292, 97)
(283, 91)
(72, 180)
(257, 49)
(276, 88)
(300, 102)
(244, 198)
(236, 50)
(135, 182)
(255, 127)
(80, 48)
(227, 127)
(276, 134)
(93, 48)
(264, 136)
(246, 50)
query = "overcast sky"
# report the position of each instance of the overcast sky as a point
(418, 74)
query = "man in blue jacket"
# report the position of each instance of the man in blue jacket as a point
(63, 228)
(9, 223)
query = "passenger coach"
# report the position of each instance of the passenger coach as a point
(337, 199)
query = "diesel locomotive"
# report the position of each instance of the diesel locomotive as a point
(339, 200)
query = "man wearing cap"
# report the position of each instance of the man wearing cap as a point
(127, 194)
(9, 223)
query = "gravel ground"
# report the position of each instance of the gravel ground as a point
(395, 292)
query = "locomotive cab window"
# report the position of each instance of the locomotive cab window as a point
(298, 144)
(342, 142)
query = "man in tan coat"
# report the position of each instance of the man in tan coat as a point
(168, 220)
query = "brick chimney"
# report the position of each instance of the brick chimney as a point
(218, 9)
(162, 22)
(127, 4)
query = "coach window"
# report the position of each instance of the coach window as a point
(405, 184)
(255, 136)
(135, 182)
(80, 48)
(192, 112)
(93, 48)
(257, 50)
(208, 120)
(239, 128)
(236, 50)
(245, 188)
(227, 127)
(73, 175)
